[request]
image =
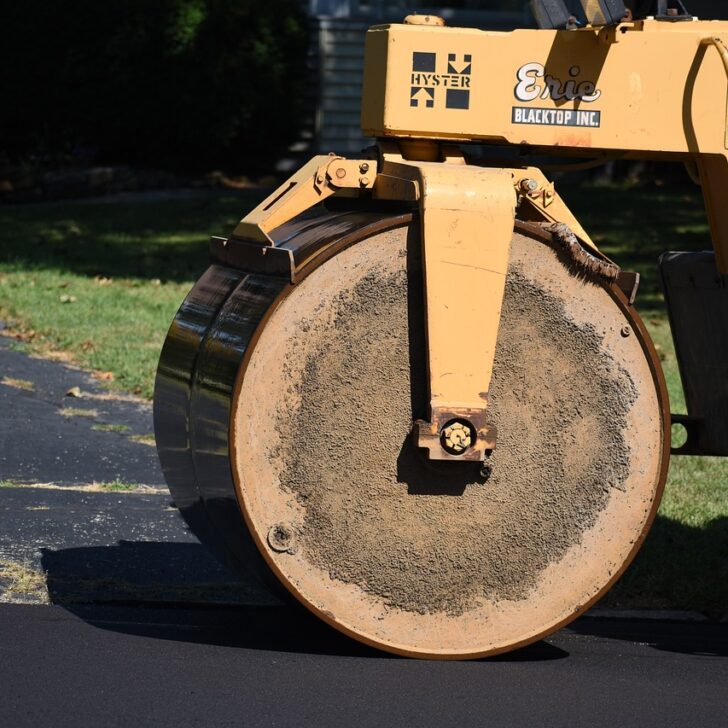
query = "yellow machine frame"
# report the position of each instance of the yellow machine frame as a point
(644, 89)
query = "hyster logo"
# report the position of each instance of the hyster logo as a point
(425, 80)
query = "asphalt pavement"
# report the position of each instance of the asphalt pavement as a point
(111, 613)
(274, 666)
(85, 515)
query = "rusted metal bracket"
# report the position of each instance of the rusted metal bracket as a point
(538, 193)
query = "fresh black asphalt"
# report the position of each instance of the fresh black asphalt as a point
(273, 666)
(131, 622)
(60, 515)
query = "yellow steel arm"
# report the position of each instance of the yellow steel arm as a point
(317, 180)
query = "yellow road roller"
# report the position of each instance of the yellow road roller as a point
(410, 391)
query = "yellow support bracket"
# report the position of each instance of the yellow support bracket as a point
(322, 177)
(467, 216)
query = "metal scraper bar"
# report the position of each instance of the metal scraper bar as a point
(604, 12)
(551, 14)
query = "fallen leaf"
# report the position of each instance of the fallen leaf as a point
(18, 335)
(65, 298)
(62, 356)
(103, 376)
(74, 392)
(103, 281)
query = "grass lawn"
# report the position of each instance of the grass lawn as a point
(102, 283)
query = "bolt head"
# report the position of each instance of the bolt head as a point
(341, 173)
(363, 167)
(529, 185)
(281, 538)
(626, 331)
(363, 181)
(456, 438)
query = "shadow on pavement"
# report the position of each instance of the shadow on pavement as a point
(143, 572)
(169, 591)
(691, 638)
(287, 628)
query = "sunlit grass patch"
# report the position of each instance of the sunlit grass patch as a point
(24, 384)
(122, 271)
(20, 581)
(77, 412)
(144, 439)
(106, 427)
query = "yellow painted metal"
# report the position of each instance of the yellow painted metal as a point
(720, 46)
(550, 205)
(644, 89)
(653, 84)
(318, 179)
(641, 89)
(468, 214)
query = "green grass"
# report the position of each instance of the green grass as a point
(118, 486)
(77, 412)
(105, 427)
(127, 268)
(684, 562)
(24, 384)
(103, 281)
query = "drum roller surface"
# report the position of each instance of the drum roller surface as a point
(302, 402)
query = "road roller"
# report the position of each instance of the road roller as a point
(410, 392)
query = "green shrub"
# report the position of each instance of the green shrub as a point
(183, 84)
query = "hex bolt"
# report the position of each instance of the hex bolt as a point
(626, 331)
(280, 538)
(363, 181)
(529, 185)
(456, 438)
(319, 179)
(341, 173)
(363, 167)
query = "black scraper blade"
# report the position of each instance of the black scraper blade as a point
(551, 14)
(604, 12)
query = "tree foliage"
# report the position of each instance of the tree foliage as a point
(183, 84)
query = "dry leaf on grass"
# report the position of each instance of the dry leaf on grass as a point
(103, 376)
